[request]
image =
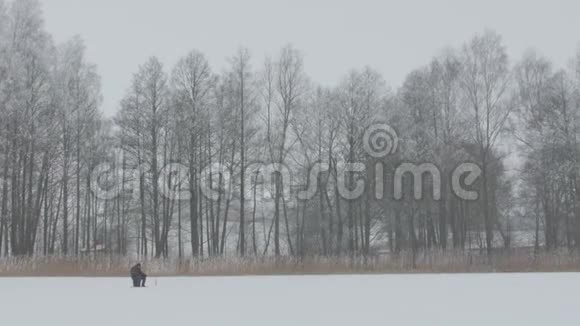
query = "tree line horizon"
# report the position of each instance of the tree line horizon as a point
(468, 104)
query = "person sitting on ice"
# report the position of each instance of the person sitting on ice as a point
(138, 276)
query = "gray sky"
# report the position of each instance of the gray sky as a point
(334, 36)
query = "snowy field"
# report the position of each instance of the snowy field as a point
(492, 299)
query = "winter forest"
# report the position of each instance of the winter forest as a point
(517, 119)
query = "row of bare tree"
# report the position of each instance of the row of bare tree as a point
(466, 105)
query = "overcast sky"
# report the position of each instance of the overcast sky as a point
(334, 36)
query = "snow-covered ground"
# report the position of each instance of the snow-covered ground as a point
(455, 299)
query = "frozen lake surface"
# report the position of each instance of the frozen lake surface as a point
(452, 299)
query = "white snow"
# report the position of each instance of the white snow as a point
(453, 299)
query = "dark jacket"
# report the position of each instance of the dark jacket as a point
(136, 271)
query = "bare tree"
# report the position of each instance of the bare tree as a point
(485, 83)
(192, 82)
